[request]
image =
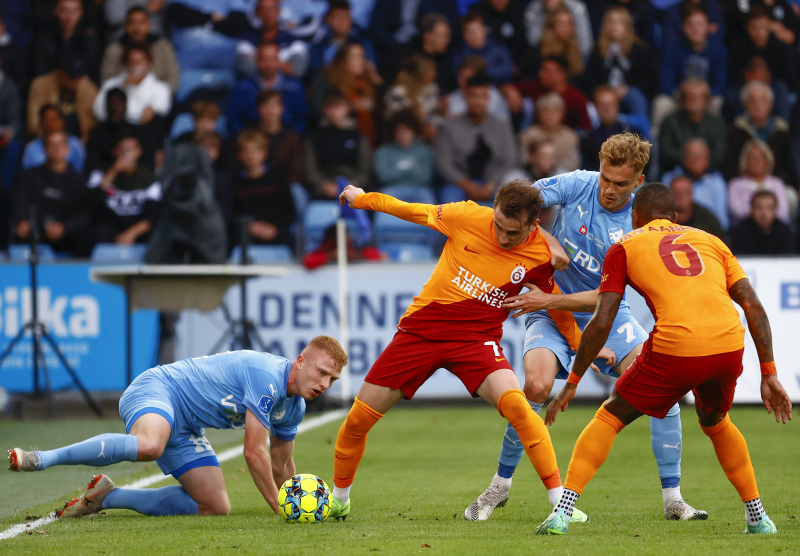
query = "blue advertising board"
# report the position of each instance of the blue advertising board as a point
(86, 320)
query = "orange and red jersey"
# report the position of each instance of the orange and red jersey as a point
(684, 274)
(463, 299)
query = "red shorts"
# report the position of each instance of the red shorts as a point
(409, 360)
(657, 381)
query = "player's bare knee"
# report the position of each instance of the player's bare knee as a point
(537, 390)
(219, 506)
(149, 450)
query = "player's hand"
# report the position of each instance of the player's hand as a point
(349, 195)
(532, 300)
(775, 398)
(559, 403)
(608, 355)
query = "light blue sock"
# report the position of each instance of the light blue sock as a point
(98, 451)
(512, 449)
(666, 439)
(171, 500)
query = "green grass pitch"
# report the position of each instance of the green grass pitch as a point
(422, 467)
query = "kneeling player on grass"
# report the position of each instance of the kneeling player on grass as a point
(457, 321)
(165, 410)
(688, 278)
(593, 212)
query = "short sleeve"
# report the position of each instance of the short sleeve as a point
(556, 190)
(615, 270)
(733, 270)
(262, 391)
(287, 419)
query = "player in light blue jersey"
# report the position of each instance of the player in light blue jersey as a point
(594, 211)
(166, 410)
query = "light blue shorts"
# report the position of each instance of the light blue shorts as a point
(541, 332)
(187, 446)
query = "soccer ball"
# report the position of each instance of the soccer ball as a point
(304, 498)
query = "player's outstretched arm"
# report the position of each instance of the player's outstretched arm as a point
(256, 453)
(772, 392)
(349, 194)
(355, 197)
(535, 300)
(282, 462)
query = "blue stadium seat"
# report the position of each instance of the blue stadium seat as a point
(263, 254)
(318, 217)
(217, 80)
(184, 123)
(390, 229)
(408, 252)
(110, 253)
(411, 194)
(19, 253)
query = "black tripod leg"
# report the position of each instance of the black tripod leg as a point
(89, 400)
(254, 335)
(38, 351)
(10, 346)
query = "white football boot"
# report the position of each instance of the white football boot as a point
(91, 501)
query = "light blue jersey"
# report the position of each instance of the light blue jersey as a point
(213, 391)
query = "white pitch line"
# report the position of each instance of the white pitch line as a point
(145, 482)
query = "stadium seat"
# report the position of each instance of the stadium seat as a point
(109, 253)
(390, 229)
(408, 252)
(216, 80)
(411, 194)
(19, 253)
(318, 217)
(263, 254)
(184, 123)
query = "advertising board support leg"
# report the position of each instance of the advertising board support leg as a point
(344, 326)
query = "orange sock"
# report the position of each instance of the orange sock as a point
(731, 450)
(592, 449)
(534, 435)
(352, 441)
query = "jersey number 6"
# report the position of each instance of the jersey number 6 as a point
(668, 249)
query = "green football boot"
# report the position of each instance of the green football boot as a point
(339, 510)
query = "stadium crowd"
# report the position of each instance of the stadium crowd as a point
(124, 120)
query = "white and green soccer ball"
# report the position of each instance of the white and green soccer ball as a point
(304, 498)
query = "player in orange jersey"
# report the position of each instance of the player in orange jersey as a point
(457, 321)
(674, 267)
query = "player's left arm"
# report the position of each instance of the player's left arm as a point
(282, 462)
(772, 392)
(257, 456)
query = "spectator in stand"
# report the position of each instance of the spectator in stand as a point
(106, 134)
(51, 120)
(553, 77)
(285, 145)
(500, 68)
(293, 54)
(708, 185)
(69, 88)
(261, 191)
(693, 119)
(551, 129)
(137, 31)
(643, 18)
(536, 14)
(205, 32)
(755, 173)
(405, 161)
(457, 100)
(433, 41)
(13, 56)
(415, 88)
(506, 22)
(757, 123)
(622, 61)
(474, 151)
(393, 28)
(128, 196)
(117, 11)
(205, 115)
(785, 22)
(211, 142)
(780, 58)
(695, 56)
(671, 21)
(606, 102)
(65, 38)
(762, 233)
(542, 161)
(10, 126)
(59, 194)
(348, 73)
(242, 111)
(339, 30)
(558, 39)
(692, 214)
(336, 148)
(147, 96)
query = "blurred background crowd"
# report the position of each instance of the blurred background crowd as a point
(195, 126)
